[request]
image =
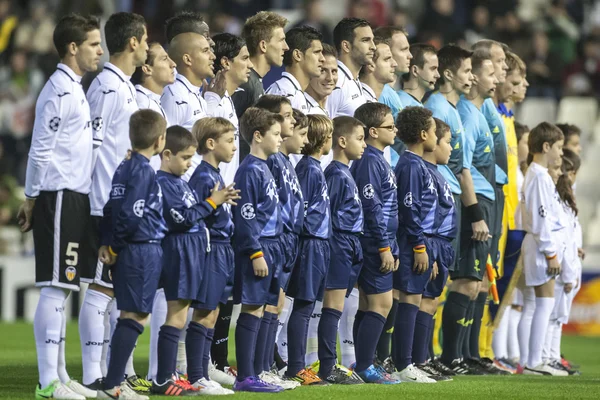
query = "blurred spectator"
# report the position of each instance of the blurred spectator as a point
(543, 67)
(480, 26)
(562, 30)
(439, 19)
(313, 16)
(582, 78)
(35, 33)
(401, 17)
(8, 24)
(373, 11)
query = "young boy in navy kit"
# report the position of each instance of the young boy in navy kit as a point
(257, 220)
(132, 230)
(417, 198)
(440, 238)
(185, 260)
(308, 276)
(376, 184)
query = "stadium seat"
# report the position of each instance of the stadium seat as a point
(535, 110)
(580, 111)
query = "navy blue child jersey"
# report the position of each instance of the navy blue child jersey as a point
(133, 213)
(445, 224)
(377, 186)
(290, 194)
(317, 219)
(346, 207)
(258, 213)
(220, 221)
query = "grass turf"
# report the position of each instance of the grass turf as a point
(18, 375)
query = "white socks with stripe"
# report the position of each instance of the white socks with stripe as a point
(539, 327)
(346, 326)
(91, 333)
(157, 319)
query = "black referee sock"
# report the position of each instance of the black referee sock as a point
(476, 327)
(465, 345)
(219, 351)
(385, 340)
(453, 325)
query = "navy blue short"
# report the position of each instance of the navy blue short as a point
(405, 278)
(184, 262)
(251, 290)
(307, 281)
(346, 262)
(443, 254)
(289, 249)
(371, 280)
(456, 240)
(136, 275)
(218, 275)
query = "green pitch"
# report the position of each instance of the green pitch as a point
(18, 375)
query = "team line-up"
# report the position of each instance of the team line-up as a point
(343, 210)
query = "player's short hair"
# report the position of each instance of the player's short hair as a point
(299, 38)
(257, 119)
(329, 50)
(344, 125)
(544, 132)
(73, 28)
(179, 139)
(486, 45)
(300, 118)
(260, 27)
(210, 128)
(120, 28)
(520, 130)
(344, 30)
(411, 121)
(145, 127)
(184, 22)
(440, 129)
(418, 51)
(372, 115)
(138, 76)
(385, 33)
(451, 57)
(478, 58)
(515, 63)
(319, 128)
(272, 102)
(226, 45)
(569, 131)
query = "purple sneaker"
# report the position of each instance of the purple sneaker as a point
(253, 384)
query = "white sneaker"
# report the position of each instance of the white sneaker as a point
(82, 390)
(217, 375)
(544, 369)
(274, 379)
(62, 391)
(123, 392)
(210, 388)
(411, 374)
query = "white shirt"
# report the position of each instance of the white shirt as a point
(60, 156)
(369, 93)
(112, 102)
(347, 95)
(148, 99)
(183, 103)
(288, 86)
(314, 107)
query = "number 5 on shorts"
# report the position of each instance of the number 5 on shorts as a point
(72, 255)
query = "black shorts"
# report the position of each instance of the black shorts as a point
(60, 223)
(496, 227)
(94, 271)
(456, 242)
(473, 254)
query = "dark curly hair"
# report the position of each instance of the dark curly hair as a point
(411, 121)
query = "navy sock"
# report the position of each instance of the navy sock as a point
(465, 350)
(210, 333)
(421, 338)
(384, 344)
(404, 330)
(122, 345)
(194, 349)
(364, 345)
(430, 351)
(327, 336)
(261, 342)
(168, 339)
(219, 349)
(297, 334)
(356, 326)
(270, 352)
(246, 332)
(476, 328)
(454, 318)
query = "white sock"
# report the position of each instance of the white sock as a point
(514, 316)
(62, 364)
(158, 318)
(555, 344)
(539, 326)
(181, 355)
(312, 344)
(524, 330)
(548, 342)
(91, 333)
(47, 325)
(345, 331)
(113, 318)
(106, 345)
(500, 339)
(281, 338)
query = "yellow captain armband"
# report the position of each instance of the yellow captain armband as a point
(550, 257)
(419, 249)
(111, 251)
(256, 255)
(384, 249)
(211, 202)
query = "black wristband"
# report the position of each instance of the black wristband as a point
(474, 213)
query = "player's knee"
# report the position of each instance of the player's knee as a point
(428, 305)
(206, 318)
(517, 308)
(257, 311)
(102, 289)
(138, 317)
